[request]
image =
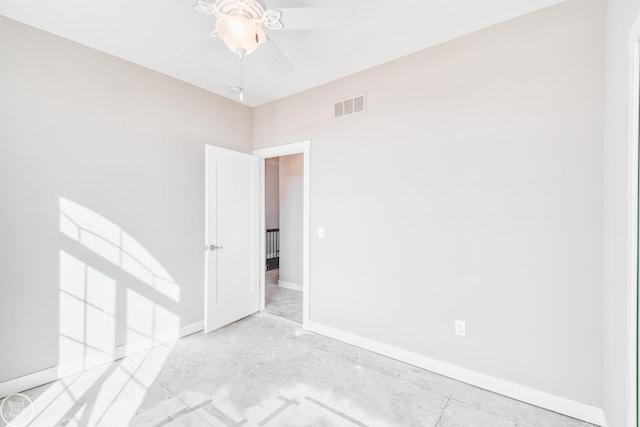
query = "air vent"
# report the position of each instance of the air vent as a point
(351, 106)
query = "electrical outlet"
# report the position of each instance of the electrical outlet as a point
(461, 328)
(320, 232)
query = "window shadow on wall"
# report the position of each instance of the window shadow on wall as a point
(115, 299)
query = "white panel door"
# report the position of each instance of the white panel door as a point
(232, 237)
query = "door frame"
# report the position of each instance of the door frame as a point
(633, 218)
(304, 148)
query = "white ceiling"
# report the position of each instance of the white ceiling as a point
(150, 32)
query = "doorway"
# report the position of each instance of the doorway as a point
(285, 291)
(283, 221)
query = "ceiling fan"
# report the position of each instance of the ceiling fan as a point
(241, 25)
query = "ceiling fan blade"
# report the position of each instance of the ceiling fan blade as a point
(317, 18)
(197, 47)
(269, 53)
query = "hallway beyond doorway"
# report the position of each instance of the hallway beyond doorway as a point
(280, 301)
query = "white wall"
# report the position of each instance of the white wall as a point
(291, 194)
(121, 150)
(471, 189)
(272, 193)
(508, 201)
(617, 377)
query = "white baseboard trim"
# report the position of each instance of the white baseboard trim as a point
(289, 285)
(48, 375)
(162, 338)
(529, 395)
(26, 382)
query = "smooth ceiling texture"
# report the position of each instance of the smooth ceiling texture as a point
(150, 33)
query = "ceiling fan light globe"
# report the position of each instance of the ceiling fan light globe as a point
(239, 33)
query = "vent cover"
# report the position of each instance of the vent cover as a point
(350, 106)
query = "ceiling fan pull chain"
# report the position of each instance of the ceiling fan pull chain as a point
(242, 78)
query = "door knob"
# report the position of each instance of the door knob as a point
(214, 247)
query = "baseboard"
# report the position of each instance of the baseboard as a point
(48, 375)
(525, 394)
(164, 337)
(26, 382)
(289, 285)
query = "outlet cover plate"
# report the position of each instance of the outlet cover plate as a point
(461, 328)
